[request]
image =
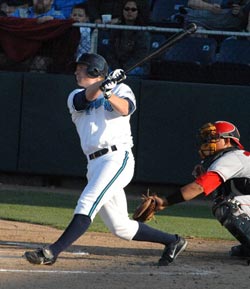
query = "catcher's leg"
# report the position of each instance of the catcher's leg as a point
(231, 217)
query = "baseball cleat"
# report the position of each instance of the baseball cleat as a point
(41, 256)
(240, 251)
(171, 251)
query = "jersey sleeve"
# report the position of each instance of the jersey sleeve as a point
(124, 91)
(209, 181)
(70, 100)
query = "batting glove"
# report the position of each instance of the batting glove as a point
(107, 86)
(118, 75)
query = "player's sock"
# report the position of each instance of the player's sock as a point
(148, 234)
(75, 229)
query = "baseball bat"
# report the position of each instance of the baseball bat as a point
(169, 43)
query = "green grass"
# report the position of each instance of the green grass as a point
(56, 210)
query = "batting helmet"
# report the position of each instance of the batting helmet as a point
(96, 64)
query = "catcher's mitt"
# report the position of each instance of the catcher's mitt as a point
(149, 206)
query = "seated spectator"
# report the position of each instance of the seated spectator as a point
(29, 46)
(80, 14)
(9, 6)
(4, 8)
(42, 10)
(229, 15)
(127, 47)
(99, 7)
(65, 6)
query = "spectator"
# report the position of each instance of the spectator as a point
(9, 6)
(219, 14)
(80, 14)
(2, 13)
(129, 46)
(113, 7)
(41, 9)
(3, 7)
(65, 6)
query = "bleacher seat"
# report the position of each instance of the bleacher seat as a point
(188, 60)
(156, 40)
(161, 11)
(232, 65)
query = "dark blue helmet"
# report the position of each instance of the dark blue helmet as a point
(96, 64)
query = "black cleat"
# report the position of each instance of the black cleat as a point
(42, 256)
(240, 251)
(171, 251)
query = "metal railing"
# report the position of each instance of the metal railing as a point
(162, 29)
(96, 27)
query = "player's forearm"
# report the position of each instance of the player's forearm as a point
(199, 4)
(93, 91)
(182, 194)
(191, 191)
(119, 104)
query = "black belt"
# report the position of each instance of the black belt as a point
(101, 152)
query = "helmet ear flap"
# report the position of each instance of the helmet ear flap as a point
(96, 64)
(93, 72)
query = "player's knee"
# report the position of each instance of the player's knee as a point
(236, 222)
(124, 230)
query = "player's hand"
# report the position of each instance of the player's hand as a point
(107, 86)
(118, 75)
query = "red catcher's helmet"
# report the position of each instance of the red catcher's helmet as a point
(226, 129)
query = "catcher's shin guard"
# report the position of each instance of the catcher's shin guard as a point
(238, 224)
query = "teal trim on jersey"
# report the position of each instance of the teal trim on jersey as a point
(109, 184)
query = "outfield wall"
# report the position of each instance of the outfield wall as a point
(38, 137)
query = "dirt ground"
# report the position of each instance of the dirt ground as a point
(100, 260)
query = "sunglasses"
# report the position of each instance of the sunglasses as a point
(130, 9)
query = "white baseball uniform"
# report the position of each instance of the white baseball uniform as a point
(234, 164)
(99, 127)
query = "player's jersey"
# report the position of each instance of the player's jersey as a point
(233, 164)
(99, 125)
(230, 165)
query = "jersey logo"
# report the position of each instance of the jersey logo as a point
(98, 103)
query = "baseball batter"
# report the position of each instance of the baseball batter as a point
(101, 111)
(225, 173)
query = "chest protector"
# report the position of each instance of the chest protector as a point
(225, 208)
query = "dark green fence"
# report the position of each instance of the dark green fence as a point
(38, 137)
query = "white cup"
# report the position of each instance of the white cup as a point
(106, 18)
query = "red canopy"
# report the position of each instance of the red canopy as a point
(22, 38)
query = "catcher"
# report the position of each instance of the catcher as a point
(224, 172)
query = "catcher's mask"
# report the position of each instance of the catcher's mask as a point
(211, 133)
(96, 64)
